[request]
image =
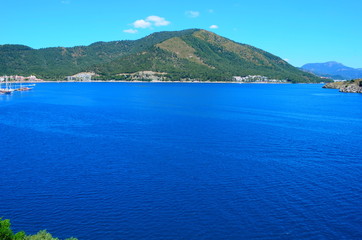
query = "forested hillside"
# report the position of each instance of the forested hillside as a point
(181, 55)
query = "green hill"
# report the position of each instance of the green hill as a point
(188, 54)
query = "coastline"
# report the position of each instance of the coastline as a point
(137, 81)
(352, 86)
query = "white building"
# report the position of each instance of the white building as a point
(256, 78)
(84, 76)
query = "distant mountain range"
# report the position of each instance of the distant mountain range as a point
(192, 54)
(333, 70)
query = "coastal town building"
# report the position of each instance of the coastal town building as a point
(17, 78)
(257, 78)
(82, 77)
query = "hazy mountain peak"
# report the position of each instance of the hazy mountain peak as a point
(333, 69)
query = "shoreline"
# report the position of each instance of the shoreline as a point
(136, 81)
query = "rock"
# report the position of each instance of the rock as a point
(353, 86)
(332, 85)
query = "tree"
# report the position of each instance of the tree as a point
(7, 234)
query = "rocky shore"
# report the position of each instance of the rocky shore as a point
(353, 86)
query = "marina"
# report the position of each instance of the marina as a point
(8, 87)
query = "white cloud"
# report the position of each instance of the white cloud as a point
(157, 21)
(150, 21)
(192, 14)
(210, 11)
(132, 31)
(286, 59)
(141, 24)
(65, 2)
(214, 26)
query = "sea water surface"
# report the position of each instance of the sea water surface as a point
(182, 161)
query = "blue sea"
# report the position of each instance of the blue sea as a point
(182, 161)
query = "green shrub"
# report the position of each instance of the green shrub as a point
(7, 234)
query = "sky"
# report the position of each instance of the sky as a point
(300, 32)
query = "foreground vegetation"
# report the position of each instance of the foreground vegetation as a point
(7, 234)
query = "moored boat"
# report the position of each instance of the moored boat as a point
(23, 89)
(6, 91)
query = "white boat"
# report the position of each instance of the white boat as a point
(6, 91)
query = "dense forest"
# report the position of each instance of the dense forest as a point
(182, 55)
